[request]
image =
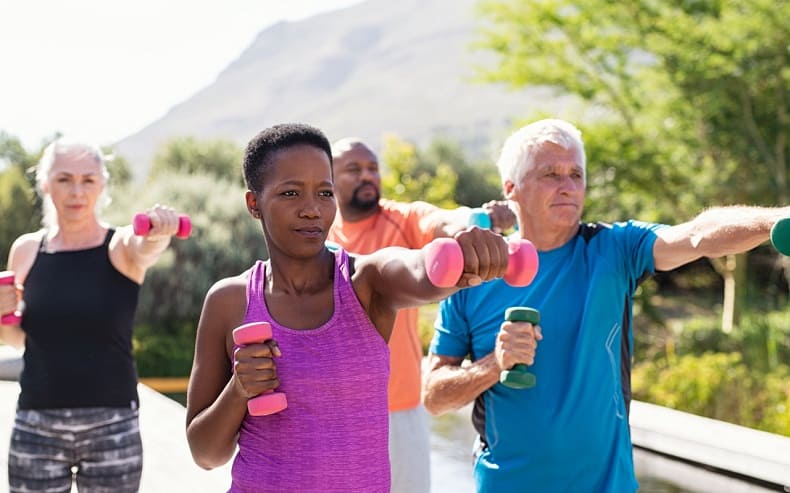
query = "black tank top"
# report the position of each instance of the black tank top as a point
(78, 319)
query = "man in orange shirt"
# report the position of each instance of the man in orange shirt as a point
(364, 223)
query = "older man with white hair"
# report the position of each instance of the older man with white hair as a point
(569, 432)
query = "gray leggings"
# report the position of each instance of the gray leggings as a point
(100, 448)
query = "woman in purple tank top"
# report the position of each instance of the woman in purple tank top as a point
(331, 315)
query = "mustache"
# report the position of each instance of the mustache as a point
(364, 184)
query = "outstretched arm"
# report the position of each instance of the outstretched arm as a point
(449, 222)
(133, 254)
(713, 233)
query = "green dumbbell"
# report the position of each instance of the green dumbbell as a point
(519, 377)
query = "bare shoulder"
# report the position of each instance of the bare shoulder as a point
(23, 252)
(226, 301)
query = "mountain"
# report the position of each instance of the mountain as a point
(372, 69)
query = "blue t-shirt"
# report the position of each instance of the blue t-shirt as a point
(570, 432)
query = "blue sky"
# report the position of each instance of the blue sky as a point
(102, 69)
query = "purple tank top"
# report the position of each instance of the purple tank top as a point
(333, 436)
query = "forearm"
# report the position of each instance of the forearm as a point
(450, 387)
(727, 230)
(12, 335)
(450, 221)
(147, 250)
(714, 233)
(212, 434)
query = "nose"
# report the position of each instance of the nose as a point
(310, 209)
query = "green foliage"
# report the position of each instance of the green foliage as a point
(719, 386)
(682, 94)
(225, 241)
(219, 158)
(17, 207)
(439, 174)
(408, 178)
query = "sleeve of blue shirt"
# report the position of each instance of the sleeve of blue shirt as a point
(451, 334)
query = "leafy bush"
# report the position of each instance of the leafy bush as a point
(225, 241)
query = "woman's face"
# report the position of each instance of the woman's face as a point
(74, 184)
(297, 201)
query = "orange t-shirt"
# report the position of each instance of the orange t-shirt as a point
(405, 225)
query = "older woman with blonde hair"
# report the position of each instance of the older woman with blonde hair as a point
(77, 284)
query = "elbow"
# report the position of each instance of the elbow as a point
(210, 461)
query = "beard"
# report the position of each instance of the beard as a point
(364, 204)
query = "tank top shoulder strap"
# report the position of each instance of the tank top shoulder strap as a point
(255, 290)
(108, 236)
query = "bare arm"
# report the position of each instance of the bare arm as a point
(448, 385)
(133, 255)
(713, 233)
(216, 405)
(20, 259)
(449, 222)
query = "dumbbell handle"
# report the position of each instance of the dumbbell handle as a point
(141, 224)
(519, 377)
(269, 402)
(444, 262)
(12, 318)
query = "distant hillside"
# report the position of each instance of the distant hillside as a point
(375, 68)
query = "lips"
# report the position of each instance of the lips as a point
(310, 231)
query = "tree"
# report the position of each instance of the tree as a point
(219, 158)
(684, 92)
(19, 204)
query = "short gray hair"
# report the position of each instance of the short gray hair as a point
(59, 147)
(518, 152)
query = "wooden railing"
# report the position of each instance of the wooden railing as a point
(167, 385)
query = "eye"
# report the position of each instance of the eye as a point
(290, 193)
(327, 193)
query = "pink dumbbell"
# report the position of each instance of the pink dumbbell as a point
(13, 318)
(269, 402)
(142, 225)
(444, 262)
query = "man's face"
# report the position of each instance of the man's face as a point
(552, 191)
(357, 178)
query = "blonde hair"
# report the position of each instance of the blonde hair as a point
(518, 152)
(60, 147)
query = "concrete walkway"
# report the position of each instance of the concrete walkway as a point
(167, 463)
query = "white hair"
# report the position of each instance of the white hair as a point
(518, 152)
(60, 147)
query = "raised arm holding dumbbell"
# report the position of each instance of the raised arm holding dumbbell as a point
(77, 277)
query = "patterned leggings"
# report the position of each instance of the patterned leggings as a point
(100, 448)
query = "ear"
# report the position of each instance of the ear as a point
(252, 204)
(509, 189)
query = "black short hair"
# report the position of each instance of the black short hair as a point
(263, 147)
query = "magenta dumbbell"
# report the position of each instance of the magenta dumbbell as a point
(141, 224)
(269, 402)
(13, 318)
(444, 262)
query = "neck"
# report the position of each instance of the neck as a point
(548, 238)
(291, 275)
(76, 235)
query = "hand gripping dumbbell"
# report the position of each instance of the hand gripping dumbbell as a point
(12, 318)
(780, 236)
(141, 224)
(519, 377)
(269, 402)
(444, 262)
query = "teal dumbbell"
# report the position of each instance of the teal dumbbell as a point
(519, 377)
